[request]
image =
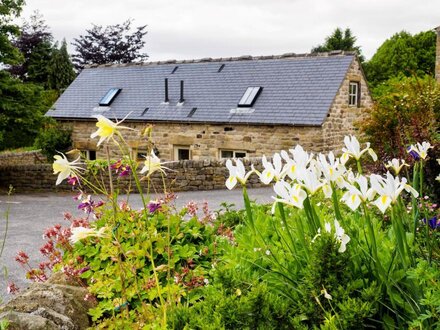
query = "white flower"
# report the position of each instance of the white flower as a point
(271, 171)
(421, 149)
(353, 148)
(152, 164)
(341, 237)
(326, 294)
(355, 195)
(268, 252)
(396, 165)
(309, 179)
(237, 173)
(389, 189)
(300, 160)
(332, 169)
(64, 168)
(106, 128)
(79, 233)
(289, 194)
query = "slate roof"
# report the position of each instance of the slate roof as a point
(297, 90)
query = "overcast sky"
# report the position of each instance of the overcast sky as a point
(190, 29)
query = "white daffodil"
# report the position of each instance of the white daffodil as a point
(80, 233)
(289, 194)
(389, 189)
(341, 237)
(396, 165)
(353, 148)
(152, 164)
(237, 173)
(357, 194)
(106, 128)
(421, 149)
(64, 168)
(271, 171)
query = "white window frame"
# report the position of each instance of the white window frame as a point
(181, 147)
(234, 153)
(353, 93)
(87, 154)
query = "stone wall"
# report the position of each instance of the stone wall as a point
(187, 175)
(22, 158)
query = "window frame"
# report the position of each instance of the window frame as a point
(109, 97)
(249, 97)
(354, 99)
(234, 153)
(87, 154)
(176, 149)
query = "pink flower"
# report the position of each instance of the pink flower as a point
(12, 288)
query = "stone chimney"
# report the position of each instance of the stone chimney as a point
(437, 55)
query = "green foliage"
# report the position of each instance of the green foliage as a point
(406, 110)
(53, 138)
(402, 55)
(9, 10)
(61, 72)
(339, 40)
(22, 107)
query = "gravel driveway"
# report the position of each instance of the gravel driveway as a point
(30, 214)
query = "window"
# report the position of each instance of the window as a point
(90, 154)
(232, 154)
(182, 153)
(109, 96)
(354, 93)
(250, 96)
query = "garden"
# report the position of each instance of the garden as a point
(343, 246)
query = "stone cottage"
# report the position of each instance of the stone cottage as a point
(220, 108)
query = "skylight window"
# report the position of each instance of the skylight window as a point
(109, 97)
(250, 96)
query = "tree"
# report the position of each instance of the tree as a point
(35, 43)
(339, 40)
(112, 44)
(8, 11)
(61, 72)
(402, 55)
(22, 106)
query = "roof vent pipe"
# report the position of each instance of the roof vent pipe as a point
(181, 92)
(166, 91)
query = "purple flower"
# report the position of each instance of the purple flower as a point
(120, 168)
(73, 180)
(413, 153)
(83, 270)
(434, 223)
(153, 206)
(88, 205)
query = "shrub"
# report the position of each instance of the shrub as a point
(53, 138)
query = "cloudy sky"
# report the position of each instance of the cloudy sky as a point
(188, 29)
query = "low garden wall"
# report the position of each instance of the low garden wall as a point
(187, 175)
(22, 158)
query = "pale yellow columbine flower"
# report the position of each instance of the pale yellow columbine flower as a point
(64, 168)
(80, 233)
(396, 165)
(152, 164)
(353, 149)
(106, 128)
(237, 173)
(421, 149)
